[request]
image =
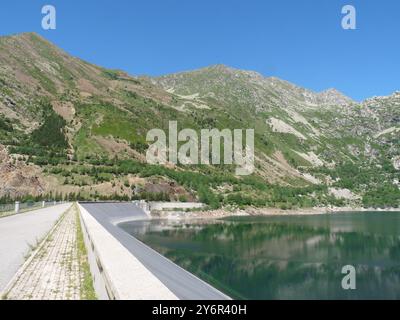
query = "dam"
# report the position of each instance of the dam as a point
(112, 250)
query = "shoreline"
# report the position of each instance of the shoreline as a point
(259, 212)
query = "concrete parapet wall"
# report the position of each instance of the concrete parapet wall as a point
(175, 205)
(117, 273)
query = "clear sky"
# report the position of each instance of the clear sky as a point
(301, 41)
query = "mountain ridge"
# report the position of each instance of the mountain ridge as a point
(84, 129)
(225, 69)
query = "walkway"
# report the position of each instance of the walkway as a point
(19, 234)
(54, 272)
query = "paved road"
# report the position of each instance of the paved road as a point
(183, 284)
(18, 232)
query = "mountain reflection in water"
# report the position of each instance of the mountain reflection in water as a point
(285, 257)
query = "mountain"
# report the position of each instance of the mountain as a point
(80, 130)
(225, 83)
(333, 96)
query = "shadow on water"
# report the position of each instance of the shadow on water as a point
(286, 257)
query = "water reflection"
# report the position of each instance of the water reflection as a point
(287, 257)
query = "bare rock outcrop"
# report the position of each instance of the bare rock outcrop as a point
(18, 179)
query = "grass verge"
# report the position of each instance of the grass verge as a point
(87, 290)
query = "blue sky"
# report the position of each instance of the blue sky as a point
(297, 40)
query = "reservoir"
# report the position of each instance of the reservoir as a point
(284, 257)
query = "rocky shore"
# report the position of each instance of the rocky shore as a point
(223, 213)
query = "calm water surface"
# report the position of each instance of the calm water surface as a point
(285, 257)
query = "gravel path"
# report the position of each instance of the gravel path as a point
(53, 272)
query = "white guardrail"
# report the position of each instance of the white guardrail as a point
(20, 207)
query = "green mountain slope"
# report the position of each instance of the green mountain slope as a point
(83, 128)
